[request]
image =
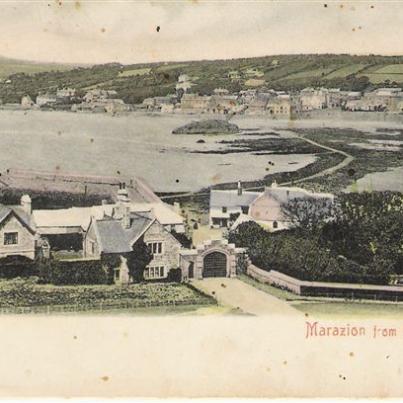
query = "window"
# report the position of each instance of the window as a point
(154, 272)
(245, 209)
(224, 209)
(275, 224)
(155, 248)
(116, 274)
(11, 238)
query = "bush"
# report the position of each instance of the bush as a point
(174, 276)
(74, 272)
(17, 266)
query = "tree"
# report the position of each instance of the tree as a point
(309, 214)
(138, 259)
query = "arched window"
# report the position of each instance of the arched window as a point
(275, 224)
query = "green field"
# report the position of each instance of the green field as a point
(310, 73)
(136, 82)
(346, 71)
(9, 67)
(135, 72)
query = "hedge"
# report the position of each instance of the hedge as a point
(74, 272)
(17, 266)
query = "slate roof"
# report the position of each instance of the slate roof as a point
(114, 238)
(230, 198)
(285, 194)
(19, 213)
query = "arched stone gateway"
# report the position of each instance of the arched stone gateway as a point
(214, 258)
(215, 265)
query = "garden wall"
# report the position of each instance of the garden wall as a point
(324, 289)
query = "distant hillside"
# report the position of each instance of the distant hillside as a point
(136, 82)
(12, 66)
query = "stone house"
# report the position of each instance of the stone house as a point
(313, 99)
(46, 99)
(194, 103)
(118, 236)
(17, 232)
(279, 107)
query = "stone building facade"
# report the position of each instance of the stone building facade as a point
(213, 258)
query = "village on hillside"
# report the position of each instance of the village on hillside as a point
(254, 101)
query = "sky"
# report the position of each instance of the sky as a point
(88, 31)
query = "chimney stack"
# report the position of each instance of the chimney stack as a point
(126, 217)
(239, 188)
(26, 204)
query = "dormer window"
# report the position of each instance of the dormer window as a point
(224, 209)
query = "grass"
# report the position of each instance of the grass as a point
(24, 295)
(391, 69)
(323, 308)
(254, 82)
(135, 72)
(365, 161)
(356, 310)
(345, 71)
(310, 73)
(378, 78)
(269, 289)
(168, 67)
(8, 68)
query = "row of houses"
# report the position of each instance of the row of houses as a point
(278, 104)
(95, 100)
(115, 230)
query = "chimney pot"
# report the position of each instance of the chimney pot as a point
(239, 188)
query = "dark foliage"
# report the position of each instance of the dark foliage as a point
(138, 260)
(73, 272)
(17, 266)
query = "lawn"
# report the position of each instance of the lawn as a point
(333, 309)
(25, 293)
(356, 310)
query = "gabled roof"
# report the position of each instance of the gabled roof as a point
(284, 194)
(114, 238)
(230, 198)
(22, 217)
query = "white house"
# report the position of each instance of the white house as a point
(225, 205)
(230, 208)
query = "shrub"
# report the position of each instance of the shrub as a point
(174, 275)
(74, 272)
(17, 266)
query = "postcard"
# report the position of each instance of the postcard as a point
(201, 199)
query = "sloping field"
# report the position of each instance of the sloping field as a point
(346, 71)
